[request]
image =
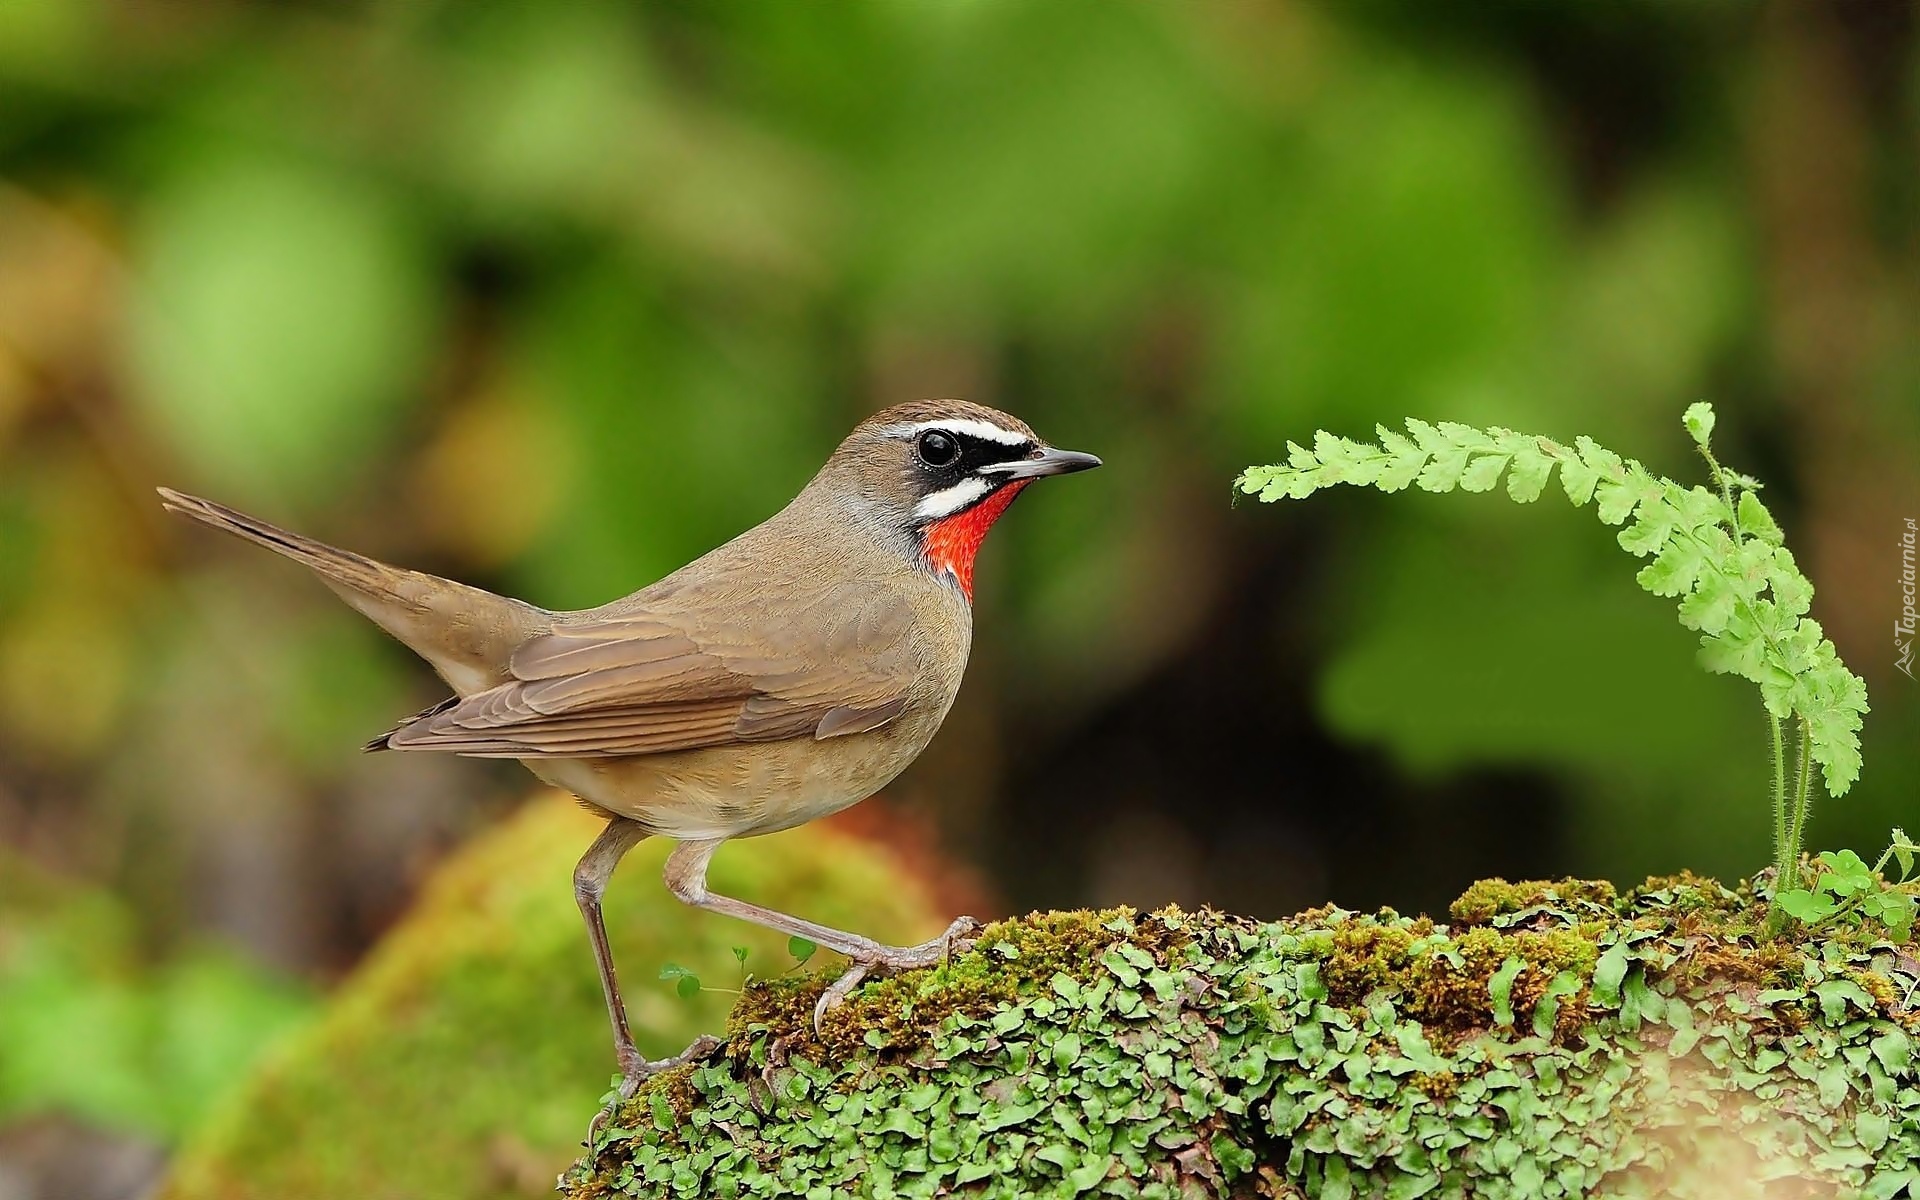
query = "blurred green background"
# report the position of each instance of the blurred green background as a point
(551, 297)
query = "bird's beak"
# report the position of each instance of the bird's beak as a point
(1046, 462)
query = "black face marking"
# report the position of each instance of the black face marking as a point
(949, 462)
(947, 455)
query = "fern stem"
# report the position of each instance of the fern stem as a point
(1726, 491)
(1784, 853)
(1802, 796)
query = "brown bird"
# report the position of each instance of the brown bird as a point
(786, 675)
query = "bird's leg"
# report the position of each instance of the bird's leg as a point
(589, 885)
(686, 876)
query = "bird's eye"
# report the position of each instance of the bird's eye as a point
(937, 449)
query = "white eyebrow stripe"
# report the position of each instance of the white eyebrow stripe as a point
(986, 431)
(947, 501)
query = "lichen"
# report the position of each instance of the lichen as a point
(1561, 1040)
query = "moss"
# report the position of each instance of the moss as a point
(1565, 1041)
(467, 1054)
(1445, 981)
(1362, 957)
(1491, 898)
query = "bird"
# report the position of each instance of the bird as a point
(785, 675)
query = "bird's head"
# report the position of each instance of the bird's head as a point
(936, 474)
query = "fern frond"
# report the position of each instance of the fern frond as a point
(1717, 550)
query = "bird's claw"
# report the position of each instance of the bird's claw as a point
(956, 940)
(636, 1070)
(960, 935)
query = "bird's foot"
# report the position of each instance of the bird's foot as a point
(636, 1069)
(957, 939)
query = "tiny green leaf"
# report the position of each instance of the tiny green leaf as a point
(1608, 973)
(1846, 873)
(1444, 469)
(1527, 477)
(1650, 530)
(1806, 906)
(1755, 521)
(1710, 605)
(1894, 1050)
(1699, 421)
(1902, 850)
(801, 948)
(1500, 991)
(1483, 473)
(1674, 571)
(1836, 994)
(1616, 500)
(1547, 1011)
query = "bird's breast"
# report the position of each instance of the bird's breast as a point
(887, 619)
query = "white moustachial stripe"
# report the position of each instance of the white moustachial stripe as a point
(947, 501)
(986, 431)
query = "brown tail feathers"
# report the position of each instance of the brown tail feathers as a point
(466, 634)
(335, 565)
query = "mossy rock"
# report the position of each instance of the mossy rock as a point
(466, 1055)
(1556, 1040)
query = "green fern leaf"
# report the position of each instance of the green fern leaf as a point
(1674, 570)
(1757, 522)
(1709, 606)
(1616, 500)
(1578, 479)
(1791, 590)
(1652, 526)
(1405, 458)
(1699, 421)
(1720, 552)
(1444, 468)
(1483, 473)
(1699, 509)
(1735, 650)
(1527, 477)
(1601, 459)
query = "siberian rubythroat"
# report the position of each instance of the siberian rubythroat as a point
(784, 676)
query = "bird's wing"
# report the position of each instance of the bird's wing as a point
(651, 682)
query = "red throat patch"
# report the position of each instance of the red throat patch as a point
(951, 543)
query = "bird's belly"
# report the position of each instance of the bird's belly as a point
(739, 790)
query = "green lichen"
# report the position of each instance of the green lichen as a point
(1560, 1041)
(896, 1016)
(465, 1057)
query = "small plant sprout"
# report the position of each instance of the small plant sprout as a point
(1716, 549)
(1846, 893)
(687, 984)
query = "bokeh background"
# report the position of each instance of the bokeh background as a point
(552, 297)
